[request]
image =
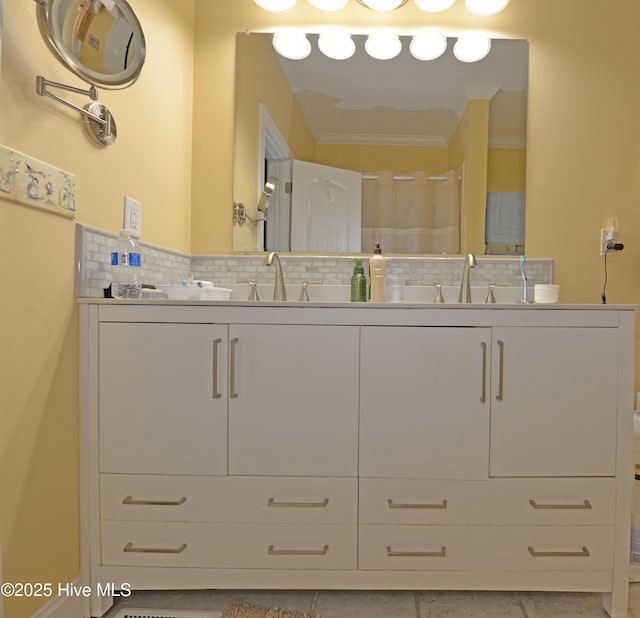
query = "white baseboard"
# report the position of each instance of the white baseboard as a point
(71, 606)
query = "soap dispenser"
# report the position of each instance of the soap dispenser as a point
(358, 283)
(378, 274)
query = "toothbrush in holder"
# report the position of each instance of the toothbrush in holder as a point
(525, 282)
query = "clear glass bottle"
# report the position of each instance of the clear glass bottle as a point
(125, 268)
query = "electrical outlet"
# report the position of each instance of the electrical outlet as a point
(133, 216)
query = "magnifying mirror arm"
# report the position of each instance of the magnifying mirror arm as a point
(256, 221)
(92, 93)
(104, 119)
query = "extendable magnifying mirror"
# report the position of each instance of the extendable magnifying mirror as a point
(100, 41)
(267, 192)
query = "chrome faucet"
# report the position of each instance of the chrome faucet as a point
(279, 292)
(465, 286)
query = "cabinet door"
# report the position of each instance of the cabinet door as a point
(163, 398)
(555, 414)
(424, 402)
(293, 407)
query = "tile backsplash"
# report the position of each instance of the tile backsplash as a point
(162, 266)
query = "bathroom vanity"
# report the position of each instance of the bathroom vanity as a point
(287, 445)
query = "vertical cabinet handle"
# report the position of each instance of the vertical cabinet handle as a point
(232, 372)
(216, 392)
(500, 395)
(483, 396)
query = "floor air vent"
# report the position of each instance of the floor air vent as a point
(132, 612)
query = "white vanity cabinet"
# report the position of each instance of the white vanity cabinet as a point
(424, 402)
(366, 447)
(293, 407)
(554, 395)
(162, 401)
(473, 405)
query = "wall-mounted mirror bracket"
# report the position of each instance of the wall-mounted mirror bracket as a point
(97, 119)
(240, 215)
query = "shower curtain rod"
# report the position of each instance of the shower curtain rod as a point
(375, 177)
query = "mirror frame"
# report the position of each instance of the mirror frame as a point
(48, 12)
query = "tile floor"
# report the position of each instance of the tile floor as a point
(390, 604)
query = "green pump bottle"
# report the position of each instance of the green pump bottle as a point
(358, 283)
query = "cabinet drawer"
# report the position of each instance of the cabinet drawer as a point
(575, 501)
(486, 548)
(409, 501)
(205, 545)
(497, 501)
(228, 499)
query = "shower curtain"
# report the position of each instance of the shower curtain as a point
(411, 214)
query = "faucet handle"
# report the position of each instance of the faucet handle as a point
(304, 294)
(439, 298)
(491, 299)
(253, 293)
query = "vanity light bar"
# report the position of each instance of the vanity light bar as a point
(338, 45)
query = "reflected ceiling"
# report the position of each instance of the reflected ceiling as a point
(408, 101)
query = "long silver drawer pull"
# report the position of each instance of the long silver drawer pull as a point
(500, 395)
(421, 554)
(585, 505)
(154, 550)
(232, 375)
(555, 554)
(216, 393)
(274, 502)
(130, 500)
(272, 551)
(400, 505)
(483, 396)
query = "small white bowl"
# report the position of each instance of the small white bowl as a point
(546, 293)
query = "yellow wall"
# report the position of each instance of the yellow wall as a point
(506, 169)
(583, 154)
(151, 160)
(403, 159)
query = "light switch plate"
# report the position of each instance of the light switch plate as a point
(132, 216)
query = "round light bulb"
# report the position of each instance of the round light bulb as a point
(486, 7)
(428, 46)
(276, 6)
(292, 44)
(471, 48)
(383, 45)
(337, 45)
(434, 6)
(328, 5)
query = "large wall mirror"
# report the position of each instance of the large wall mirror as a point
(424, 157)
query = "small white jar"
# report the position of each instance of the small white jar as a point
(546, 293)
